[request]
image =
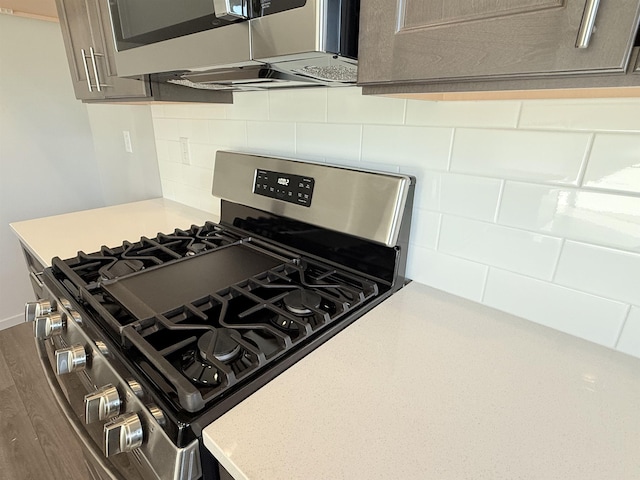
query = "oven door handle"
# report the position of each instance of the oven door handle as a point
(96, 455)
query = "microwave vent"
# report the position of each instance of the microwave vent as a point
(331, 73)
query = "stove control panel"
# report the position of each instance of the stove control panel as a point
(284, 186)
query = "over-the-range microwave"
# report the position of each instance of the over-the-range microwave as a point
(238, 44)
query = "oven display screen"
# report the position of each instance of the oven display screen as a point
(284, 186)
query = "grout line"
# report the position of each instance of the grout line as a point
(499, 205)
(585, 160)
(361, 141)
(519, 117)
(295, 138)
(450, 158)
(624, 323)
(484, 283)
(437, 245)
(557, 262)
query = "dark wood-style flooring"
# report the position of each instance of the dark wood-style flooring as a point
(35, 440)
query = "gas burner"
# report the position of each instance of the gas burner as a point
(219, 344)
(121, 268)
(301, 302)
(195, 248)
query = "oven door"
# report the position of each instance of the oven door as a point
(153, 36)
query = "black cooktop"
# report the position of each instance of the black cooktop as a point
(201, 312)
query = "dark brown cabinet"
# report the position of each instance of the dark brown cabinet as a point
(85, 24)
(427, 41)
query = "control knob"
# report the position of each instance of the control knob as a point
(47, 326)
(32, 310)
(102, 404)
(122, 434)
(71, 359)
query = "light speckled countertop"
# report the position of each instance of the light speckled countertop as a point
(431, 386)
(63, 235)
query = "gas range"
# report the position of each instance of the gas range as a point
(168, 333)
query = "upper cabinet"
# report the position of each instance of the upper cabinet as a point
(90, 50)
(86, 31)
(429, 41)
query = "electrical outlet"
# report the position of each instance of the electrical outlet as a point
(127, 141)
(185, 152)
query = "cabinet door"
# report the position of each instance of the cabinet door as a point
(76, 33)
(104, 50)
(424, 40)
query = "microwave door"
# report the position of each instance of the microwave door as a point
(143, 22)
(154, 36)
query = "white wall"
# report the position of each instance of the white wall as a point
(47, 164)
(125, 177)
(57, 154)
(532, 207)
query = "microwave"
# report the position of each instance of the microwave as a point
(237, 44)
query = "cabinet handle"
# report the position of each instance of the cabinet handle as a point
(86, 69)
(95, 68)
(588, 22)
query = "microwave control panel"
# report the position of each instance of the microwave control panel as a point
(284, 186)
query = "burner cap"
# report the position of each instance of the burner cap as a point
(301, 302)
(219, 344)
(195, 248)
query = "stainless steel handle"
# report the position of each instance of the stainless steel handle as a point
(86, 68)
(122, 434)
(588, 22)
(230, 9)
(95, 68)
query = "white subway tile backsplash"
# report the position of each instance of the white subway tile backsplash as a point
(277, 138)
(455, 275)
(484, 114)
(508, 248)
(476, 163)
(298, 105)
(548, 157)
(614, 163)
(318, 141)
(194, 110)
(425, 228)
(594, 217)
(629, 341)
(468, 196)
(171, 171)
(229, 134)
(587, 316)
(166, 128)
(347, 105)
(197, 177)
(591, 115)
(599, 270)
(249, 106)
(203, 155)
(422, 147)
(196, 130)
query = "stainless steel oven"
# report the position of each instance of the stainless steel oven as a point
(240, 44)
(146, 343)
